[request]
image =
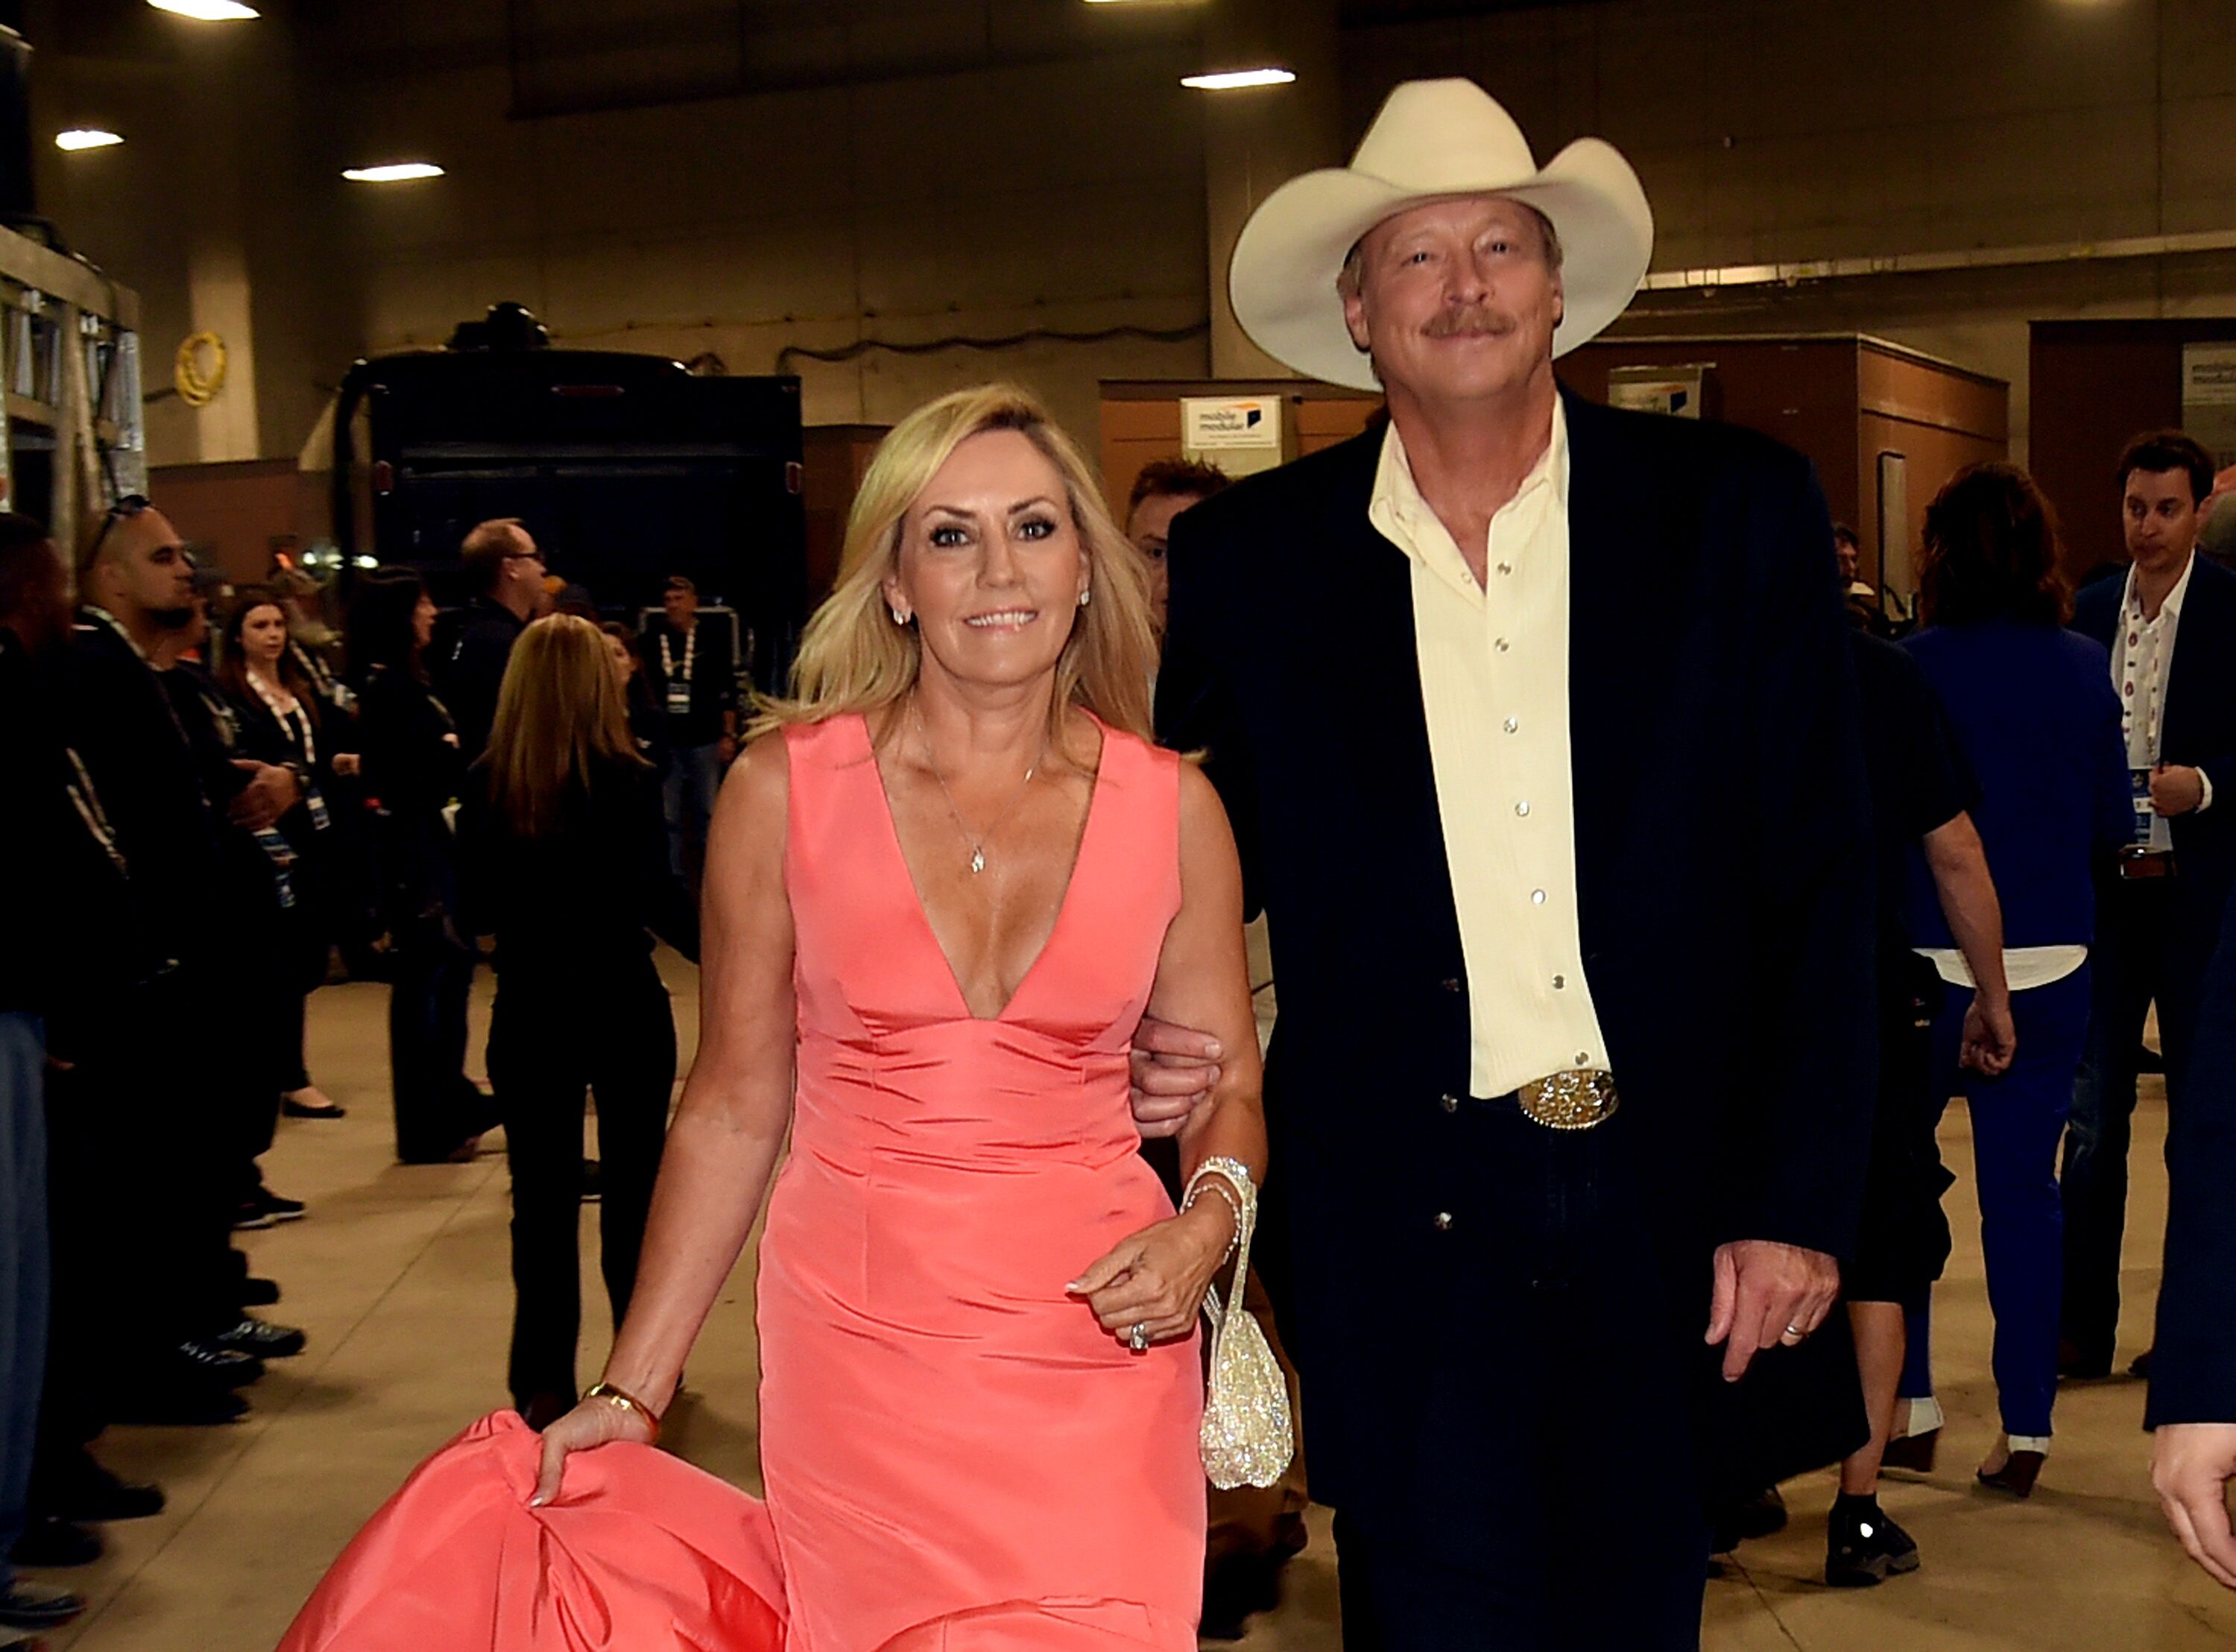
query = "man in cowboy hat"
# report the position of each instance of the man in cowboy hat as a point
(1569, 897)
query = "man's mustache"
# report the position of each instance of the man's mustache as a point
(1475, 321)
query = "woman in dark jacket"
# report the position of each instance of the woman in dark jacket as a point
(412, 768)
(277, 709)
(2034, 711)
(565, 862)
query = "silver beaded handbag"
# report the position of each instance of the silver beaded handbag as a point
(1247, 1438)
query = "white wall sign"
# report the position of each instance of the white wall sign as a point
(1239, 434)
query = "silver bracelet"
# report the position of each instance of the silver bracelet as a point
(1242, 1200)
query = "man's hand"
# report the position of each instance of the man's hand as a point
(270, 793)
(1767, 1293)
(1991, 1036)
(2176, 788)
(2191, 1466)
(1174, 1068)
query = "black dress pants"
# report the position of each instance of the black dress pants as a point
(437, 1108)
(2153, 939)
(549, 1045)
(1555, 1380)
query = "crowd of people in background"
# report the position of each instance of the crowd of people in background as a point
(223, 801)
(226, 801)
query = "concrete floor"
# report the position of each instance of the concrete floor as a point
(400, 1274)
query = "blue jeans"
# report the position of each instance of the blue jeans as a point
(694, 776)
(22, 1264)
(2016, 1123)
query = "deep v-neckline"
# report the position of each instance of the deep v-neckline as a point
(924, 926)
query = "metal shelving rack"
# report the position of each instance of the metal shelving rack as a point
(71, 386)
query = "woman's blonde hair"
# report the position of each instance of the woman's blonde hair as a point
(559, 715)
(854, 657)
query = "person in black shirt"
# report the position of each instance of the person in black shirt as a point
(168, 799)
(692, 668)
(411, 764)
(1922, 792)
(564, 861)
(277, 708)
(647, 726)
(506, 571)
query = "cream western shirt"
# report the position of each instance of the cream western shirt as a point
(1495, 688)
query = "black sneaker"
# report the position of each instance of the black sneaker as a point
(262, 1338)
(49, 1541)
(27, 1605)
(277, 1209)
(1863, 1547)
(205, 1361)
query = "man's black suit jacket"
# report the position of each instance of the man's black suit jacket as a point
(1724, 894)
(2193, 1360)
(2198, 728)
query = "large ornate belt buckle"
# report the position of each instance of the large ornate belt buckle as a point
(1576, 1098)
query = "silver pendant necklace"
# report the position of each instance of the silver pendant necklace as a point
(976, 840)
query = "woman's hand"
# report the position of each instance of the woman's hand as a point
(1156, 1279)
(591, 1424)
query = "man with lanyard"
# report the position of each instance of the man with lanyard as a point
(694, 678)
(184, 1339)
(2171, 628)
(506, 571)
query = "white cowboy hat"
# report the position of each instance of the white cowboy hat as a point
(1433, 140)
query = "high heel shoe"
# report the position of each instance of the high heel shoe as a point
(1912, 1451)
(2016, 1475)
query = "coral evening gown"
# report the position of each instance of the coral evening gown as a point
(958, 1458)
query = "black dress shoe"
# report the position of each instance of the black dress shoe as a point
(27, 1605)
(259, 1292)
(1863, 1547)
(259, 1337)
(2075, 1364)
(298, 1109)
(204, 1360)
(2141, 1365)
(91, 1492)
(277, 1209)
(250, 1216)
(175, 1404)
(50, 1542)
(592, 1184)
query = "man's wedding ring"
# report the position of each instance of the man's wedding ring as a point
(1138, 1339)
(1797, 1333)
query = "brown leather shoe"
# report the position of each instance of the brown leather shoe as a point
(2018, 1474)
(1912, 1451)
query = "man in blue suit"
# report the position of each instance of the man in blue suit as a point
(2170, 626)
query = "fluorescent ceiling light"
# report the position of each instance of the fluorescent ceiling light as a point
(86, 137)
(208, 11)
(1233, 79)
(399, 172)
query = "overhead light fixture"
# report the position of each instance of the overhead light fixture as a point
(208, 11)
(86, 137)
(1235, 79)
(398, 172)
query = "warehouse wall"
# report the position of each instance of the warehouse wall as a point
(1068, 193)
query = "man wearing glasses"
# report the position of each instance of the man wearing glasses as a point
(506, 571)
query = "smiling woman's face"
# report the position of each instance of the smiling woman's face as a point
(990, 564)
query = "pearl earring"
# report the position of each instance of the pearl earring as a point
(1087, 596)
(899, 619)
